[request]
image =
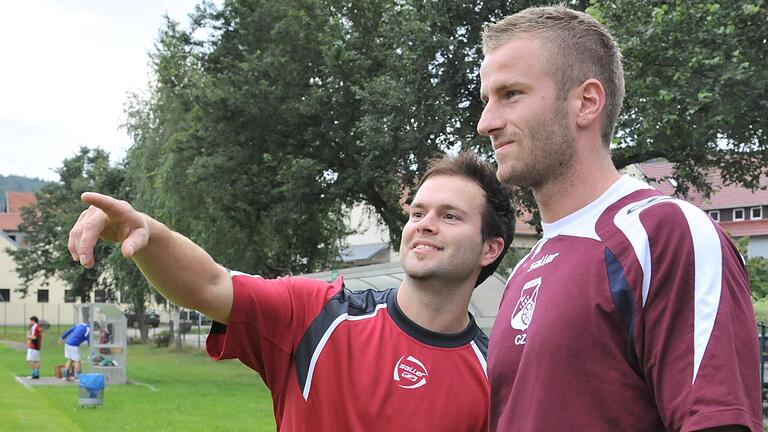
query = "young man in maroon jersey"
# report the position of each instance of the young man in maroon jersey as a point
(406, 359)
(34, 345)
(633, 312)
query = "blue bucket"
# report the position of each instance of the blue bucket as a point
(93, 383)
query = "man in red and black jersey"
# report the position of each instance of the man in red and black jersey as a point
(34, 345)
(633, 312)
(410, 358)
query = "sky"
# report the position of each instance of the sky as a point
(68, 67)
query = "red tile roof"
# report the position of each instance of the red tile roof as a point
(10, 221)
(723, 196)
(15, 201)
(746, 228)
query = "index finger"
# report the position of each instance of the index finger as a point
(105, 203)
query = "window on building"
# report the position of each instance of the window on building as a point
(42, 296)
(100, 296)
(756, 213)
(738, 214)
(5, 295)
(715, 215)
(69, 297)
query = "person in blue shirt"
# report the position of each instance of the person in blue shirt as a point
(72, 339)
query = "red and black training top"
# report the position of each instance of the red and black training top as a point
(352, 361)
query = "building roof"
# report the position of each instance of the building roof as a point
(362, 252)
(15, 201)
(722, 197)
(746, 228)
(10, 221)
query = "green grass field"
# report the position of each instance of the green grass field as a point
(171, 392)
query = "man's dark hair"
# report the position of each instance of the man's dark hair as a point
(499, 212)
(34, 318)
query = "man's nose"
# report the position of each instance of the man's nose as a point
(491, 120)
(427, 223)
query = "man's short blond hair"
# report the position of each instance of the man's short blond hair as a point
(577, 47)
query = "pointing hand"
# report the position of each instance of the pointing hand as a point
(110, 220)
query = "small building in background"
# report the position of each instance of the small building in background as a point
(740, 212)
(48, 302)
(10, 216)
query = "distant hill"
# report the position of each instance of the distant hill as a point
(13, 183)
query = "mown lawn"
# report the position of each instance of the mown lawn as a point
(171, 392)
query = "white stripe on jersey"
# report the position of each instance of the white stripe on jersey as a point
(708, 261)
(629, 223)
(327, 335)
(708, 257)
(480, 357)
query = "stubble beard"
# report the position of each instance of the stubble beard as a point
(448, 272)
(550, 152)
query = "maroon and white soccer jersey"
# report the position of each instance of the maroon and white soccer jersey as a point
(631, 314)
(337, 360)
(36, 343)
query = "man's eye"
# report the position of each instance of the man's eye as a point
(450, 216)
(509, 94)
(416, 215)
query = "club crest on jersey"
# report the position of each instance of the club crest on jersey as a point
(523, 313)
(410, 373)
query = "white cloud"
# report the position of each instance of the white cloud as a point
(68, 67)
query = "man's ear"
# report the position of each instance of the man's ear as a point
(589, 100)
(491, 250)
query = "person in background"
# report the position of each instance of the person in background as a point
(34, 345)
(72, 339)
(633, 312)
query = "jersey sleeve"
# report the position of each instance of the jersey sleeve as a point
(699, 351)
(66, 333)
(267, 320)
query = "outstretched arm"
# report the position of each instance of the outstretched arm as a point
(181, 270)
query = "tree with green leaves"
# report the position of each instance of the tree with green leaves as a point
(255, 137)
(757, 268)
(697, 86)
(46, 226)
